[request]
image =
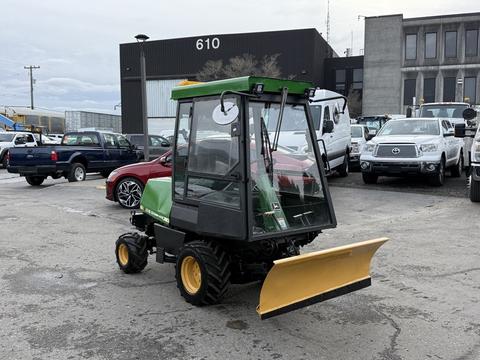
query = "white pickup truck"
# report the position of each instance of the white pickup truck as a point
(413, 146)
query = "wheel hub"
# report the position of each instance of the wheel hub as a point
(191, 275)
(123, 254)
(129, 193)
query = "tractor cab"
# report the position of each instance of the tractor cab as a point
(241, 204)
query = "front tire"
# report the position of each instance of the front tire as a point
(439, 179)
(202, 272)
(131, 253)
(5, 160)
(474, 189)
(369, 178)
(129, 193)
(35, 180)
(343, 169)
(77, 173)
(456, 170)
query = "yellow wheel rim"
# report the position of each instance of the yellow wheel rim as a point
(123, 254)
(191, 275)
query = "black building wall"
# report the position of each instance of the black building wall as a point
(301, 54)
(341, 63)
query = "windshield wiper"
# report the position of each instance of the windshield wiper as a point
(280, 118)
(266, 150)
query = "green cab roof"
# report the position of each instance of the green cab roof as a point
(243, 84)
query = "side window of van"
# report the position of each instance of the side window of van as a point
(336, 114)
(326, 114)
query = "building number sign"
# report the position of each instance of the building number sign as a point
(207, 43)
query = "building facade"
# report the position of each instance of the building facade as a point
(293, 54)
(423, 59)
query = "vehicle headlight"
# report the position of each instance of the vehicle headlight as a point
(428, 147)
(355, 148)
(112, 174)
(477, 150)
(369, 148)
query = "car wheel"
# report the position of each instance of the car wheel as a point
(129, 192)
(439, 178)
(474, 189)
(5, 160)
(77, 173)
(456, 170)
(369, 178)
(131, 253)
(35, 180)
(343, 169)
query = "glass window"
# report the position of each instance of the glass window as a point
(430, 45)
(450, 111)
(6, 137)
(410, 127)
(429, 90)
(449, 87)
(409, 91)
(137, 140)
(470, 89)
(451, 44)
(326, 114)
(340, 76)
(471, 42)
(156, 140)
(81, 139)
(122, 141)
(316, 111)
(181, 151)
(30, 138)
(357, 79)
(410, 46)
(357, 131)
(286, 187)
(110, 141)
(214, 190)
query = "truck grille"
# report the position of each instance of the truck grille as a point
(397, 151)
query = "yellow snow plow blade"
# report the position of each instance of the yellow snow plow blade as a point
(306, 279)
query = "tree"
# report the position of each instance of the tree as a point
(244, 65)
(354, 102)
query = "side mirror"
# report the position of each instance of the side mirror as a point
(469, 114)
(409, 112)
(459, 130)
(166, 161)
(165, 144)
(327, 126)
(370, 136)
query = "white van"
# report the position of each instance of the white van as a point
(332, 123)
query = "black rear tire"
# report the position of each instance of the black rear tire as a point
(369, 178)
(131, 252)
(214, 267)
(343, 169)
(456, 170)
(77, 173)
(4, 160)
(35, 180)
(474, 189)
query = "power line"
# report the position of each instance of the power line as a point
(31, 68)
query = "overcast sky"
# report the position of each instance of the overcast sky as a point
(76, 42)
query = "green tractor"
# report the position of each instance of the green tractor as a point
(240, 205)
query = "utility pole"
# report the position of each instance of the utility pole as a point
(30, 68)
(328, 22)
(141, 38)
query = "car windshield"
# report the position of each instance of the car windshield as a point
(357, 131)
(6, 137)
(443, 111)
(316, 111)
(295, 121)
(372, 122)
(410, 127)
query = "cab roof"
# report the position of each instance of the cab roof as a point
(243, 84)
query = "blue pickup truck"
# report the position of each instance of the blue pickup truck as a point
(78, 154)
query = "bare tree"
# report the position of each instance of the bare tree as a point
(269, 66)
(354, 102)
(241, 66)
(212, 70)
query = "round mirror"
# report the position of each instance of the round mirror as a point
(227, 117)
(469, 114)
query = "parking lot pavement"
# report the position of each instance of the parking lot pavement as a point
(63, 297)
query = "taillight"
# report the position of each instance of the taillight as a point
(53, 155)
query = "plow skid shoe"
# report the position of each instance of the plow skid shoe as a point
(306, 279)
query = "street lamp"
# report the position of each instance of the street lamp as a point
(141, 38)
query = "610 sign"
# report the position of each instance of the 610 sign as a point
(207, 44)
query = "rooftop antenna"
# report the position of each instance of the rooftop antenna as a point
(328, 22)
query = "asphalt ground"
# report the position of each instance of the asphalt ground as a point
(62, 295)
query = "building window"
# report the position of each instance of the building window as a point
(431, 45)
(357, 79)
(340, 81)
(450, 44)
(411, 46)
(429, 90)
(449, 87)
(470, 89)
(409, 91)
(471, 42)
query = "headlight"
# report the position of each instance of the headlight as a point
(112, 174)
(369, 148)
(428, 147)
(355, 148)
(477, 151)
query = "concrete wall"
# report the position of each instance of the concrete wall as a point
(382, 62)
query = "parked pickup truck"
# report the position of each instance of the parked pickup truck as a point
(413, 146)
(78, 154)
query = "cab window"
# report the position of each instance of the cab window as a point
(110, 141)
(123, 142)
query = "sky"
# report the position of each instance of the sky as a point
(76, 43)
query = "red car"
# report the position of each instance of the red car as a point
(126, 183)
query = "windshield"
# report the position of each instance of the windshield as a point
(411, 127)
(357, 131)
(443, 111)
(372, 122)
(287, 190)
(316, 111)
(6, 137)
